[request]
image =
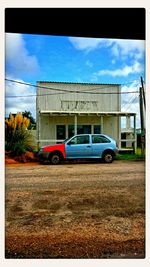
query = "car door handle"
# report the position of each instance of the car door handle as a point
(88, 146)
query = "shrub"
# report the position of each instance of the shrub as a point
(18, 138)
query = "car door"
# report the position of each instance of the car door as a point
(99, 144)
(79, 147)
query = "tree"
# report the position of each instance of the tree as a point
(28, 115)
(18, 139)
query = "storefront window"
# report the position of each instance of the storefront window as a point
(70, 131)
(84, 129)
(97, 129)
(81, 129)
(61, 132)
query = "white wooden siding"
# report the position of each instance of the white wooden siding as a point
(48, 125)
(55, 100)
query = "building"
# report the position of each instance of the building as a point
(64, 109)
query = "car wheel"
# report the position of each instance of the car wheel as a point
(55, 159)
(108, 157)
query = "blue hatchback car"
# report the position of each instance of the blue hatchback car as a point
(83, 146)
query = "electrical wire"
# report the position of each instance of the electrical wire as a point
(64, 90)
(129, 101)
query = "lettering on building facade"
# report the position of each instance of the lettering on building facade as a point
(79, 105)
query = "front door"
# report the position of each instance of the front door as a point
(79, 147)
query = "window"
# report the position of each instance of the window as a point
(61, 132)
(99, 139)
(81, 129)
(80, 140)
(97, 129)
(84, 129)
(70, 131)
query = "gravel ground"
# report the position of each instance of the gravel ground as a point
(87, 210)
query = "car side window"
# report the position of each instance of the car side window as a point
(73, 141)
(96, 139)
(80, 140)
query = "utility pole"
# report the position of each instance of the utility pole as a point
(142, 122)
(143, 92)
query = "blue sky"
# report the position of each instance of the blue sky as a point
(31, 58)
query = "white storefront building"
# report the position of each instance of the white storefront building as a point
(64, 109)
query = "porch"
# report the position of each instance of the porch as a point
(113, 129)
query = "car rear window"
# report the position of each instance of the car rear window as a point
(96, 139)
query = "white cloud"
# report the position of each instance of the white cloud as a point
(18, 58)
(113, 61)
(118, 47)
(19, 104)
(132, 48)
(86, 44)
(130, 102)
(132, 87)
(133, 107)
(123, 72)
(89, 63)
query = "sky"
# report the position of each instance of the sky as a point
(30, 58)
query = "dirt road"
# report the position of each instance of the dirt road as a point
(88, 210)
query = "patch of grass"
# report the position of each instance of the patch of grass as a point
(126, 156)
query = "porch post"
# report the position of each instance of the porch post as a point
(135, 141)
(101, 122)
(39, 129)
(75, 124)
(66, 133)
(119, 131)
(128, 122)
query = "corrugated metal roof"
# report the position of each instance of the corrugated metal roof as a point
(79, 83)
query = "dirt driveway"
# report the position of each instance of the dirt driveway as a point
(88, 210)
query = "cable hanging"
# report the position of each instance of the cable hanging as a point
(65, 90)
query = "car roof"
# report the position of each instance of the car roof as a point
(92, 134)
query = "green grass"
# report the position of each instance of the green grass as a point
(131, 156)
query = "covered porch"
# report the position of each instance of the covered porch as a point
(76, 117)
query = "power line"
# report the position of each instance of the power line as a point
(127, 106)
(11, 80)
(114, 93)
(55, 89)
(129, 101)
(64, 90)
(129, 82)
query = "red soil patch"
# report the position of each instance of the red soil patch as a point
(24, 158)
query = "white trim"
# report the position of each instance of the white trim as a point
(127, 140)
(75, 124)
(102, 124)
(109, 113)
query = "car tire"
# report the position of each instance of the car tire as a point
(55, 159)
(108, 157)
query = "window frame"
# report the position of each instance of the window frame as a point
(102, 137)
(79, 136)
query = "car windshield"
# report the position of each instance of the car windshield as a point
(63, 142)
